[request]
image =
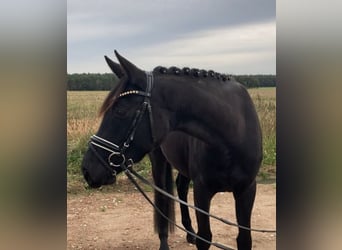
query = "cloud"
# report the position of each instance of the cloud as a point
(233, 49)
(152, 32)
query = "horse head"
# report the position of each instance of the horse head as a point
(128, 129)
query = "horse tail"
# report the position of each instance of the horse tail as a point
(171, 204)
(163, 178)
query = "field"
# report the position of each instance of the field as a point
(124, 221)
(265, 102)
(83, 121)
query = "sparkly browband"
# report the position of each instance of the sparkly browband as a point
(135, 92)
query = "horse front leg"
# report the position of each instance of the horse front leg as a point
(162, 176)
(182, 190)
(202, 200)
(244, 200)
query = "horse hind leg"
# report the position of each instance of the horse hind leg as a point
(244, 201)
(182, 183)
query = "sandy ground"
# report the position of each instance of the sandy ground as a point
(102, 220)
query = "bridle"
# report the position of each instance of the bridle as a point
(117, 158)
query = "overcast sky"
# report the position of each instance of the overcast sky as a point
(228, 36)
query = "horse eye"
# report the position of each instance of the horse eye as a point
(120, 112)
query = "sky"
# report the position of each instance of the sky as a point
(228, 36)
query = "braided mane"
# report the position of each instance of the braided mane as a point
(191, 72)
(114, 94)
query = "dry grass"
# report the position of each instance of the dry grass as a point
(82, 112)
(265, 103)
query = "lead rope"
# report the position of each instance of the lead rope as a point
(131, 178)
(196, 208)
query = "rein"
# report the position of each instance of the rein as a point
(117, 162)
(130, 172)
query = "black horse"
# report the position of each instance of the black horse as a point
(202, 123)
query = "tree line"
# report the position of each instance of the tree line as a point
(91, 81)
(256, 81)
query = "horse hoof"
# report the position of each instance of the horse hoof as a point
(191, 239)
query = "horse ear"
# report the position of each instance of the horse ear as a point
(115, 67)
(132, 71)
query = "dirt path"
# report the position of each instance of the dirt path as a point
(125, 221)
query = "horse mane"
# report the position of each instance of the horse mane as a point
(191, 72)
(112, 97)
(113, 94)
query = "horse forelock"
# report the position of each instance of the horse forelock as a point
(186, 71)
(112, 97)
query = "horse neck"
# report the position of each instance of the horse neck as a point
(200, 108)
